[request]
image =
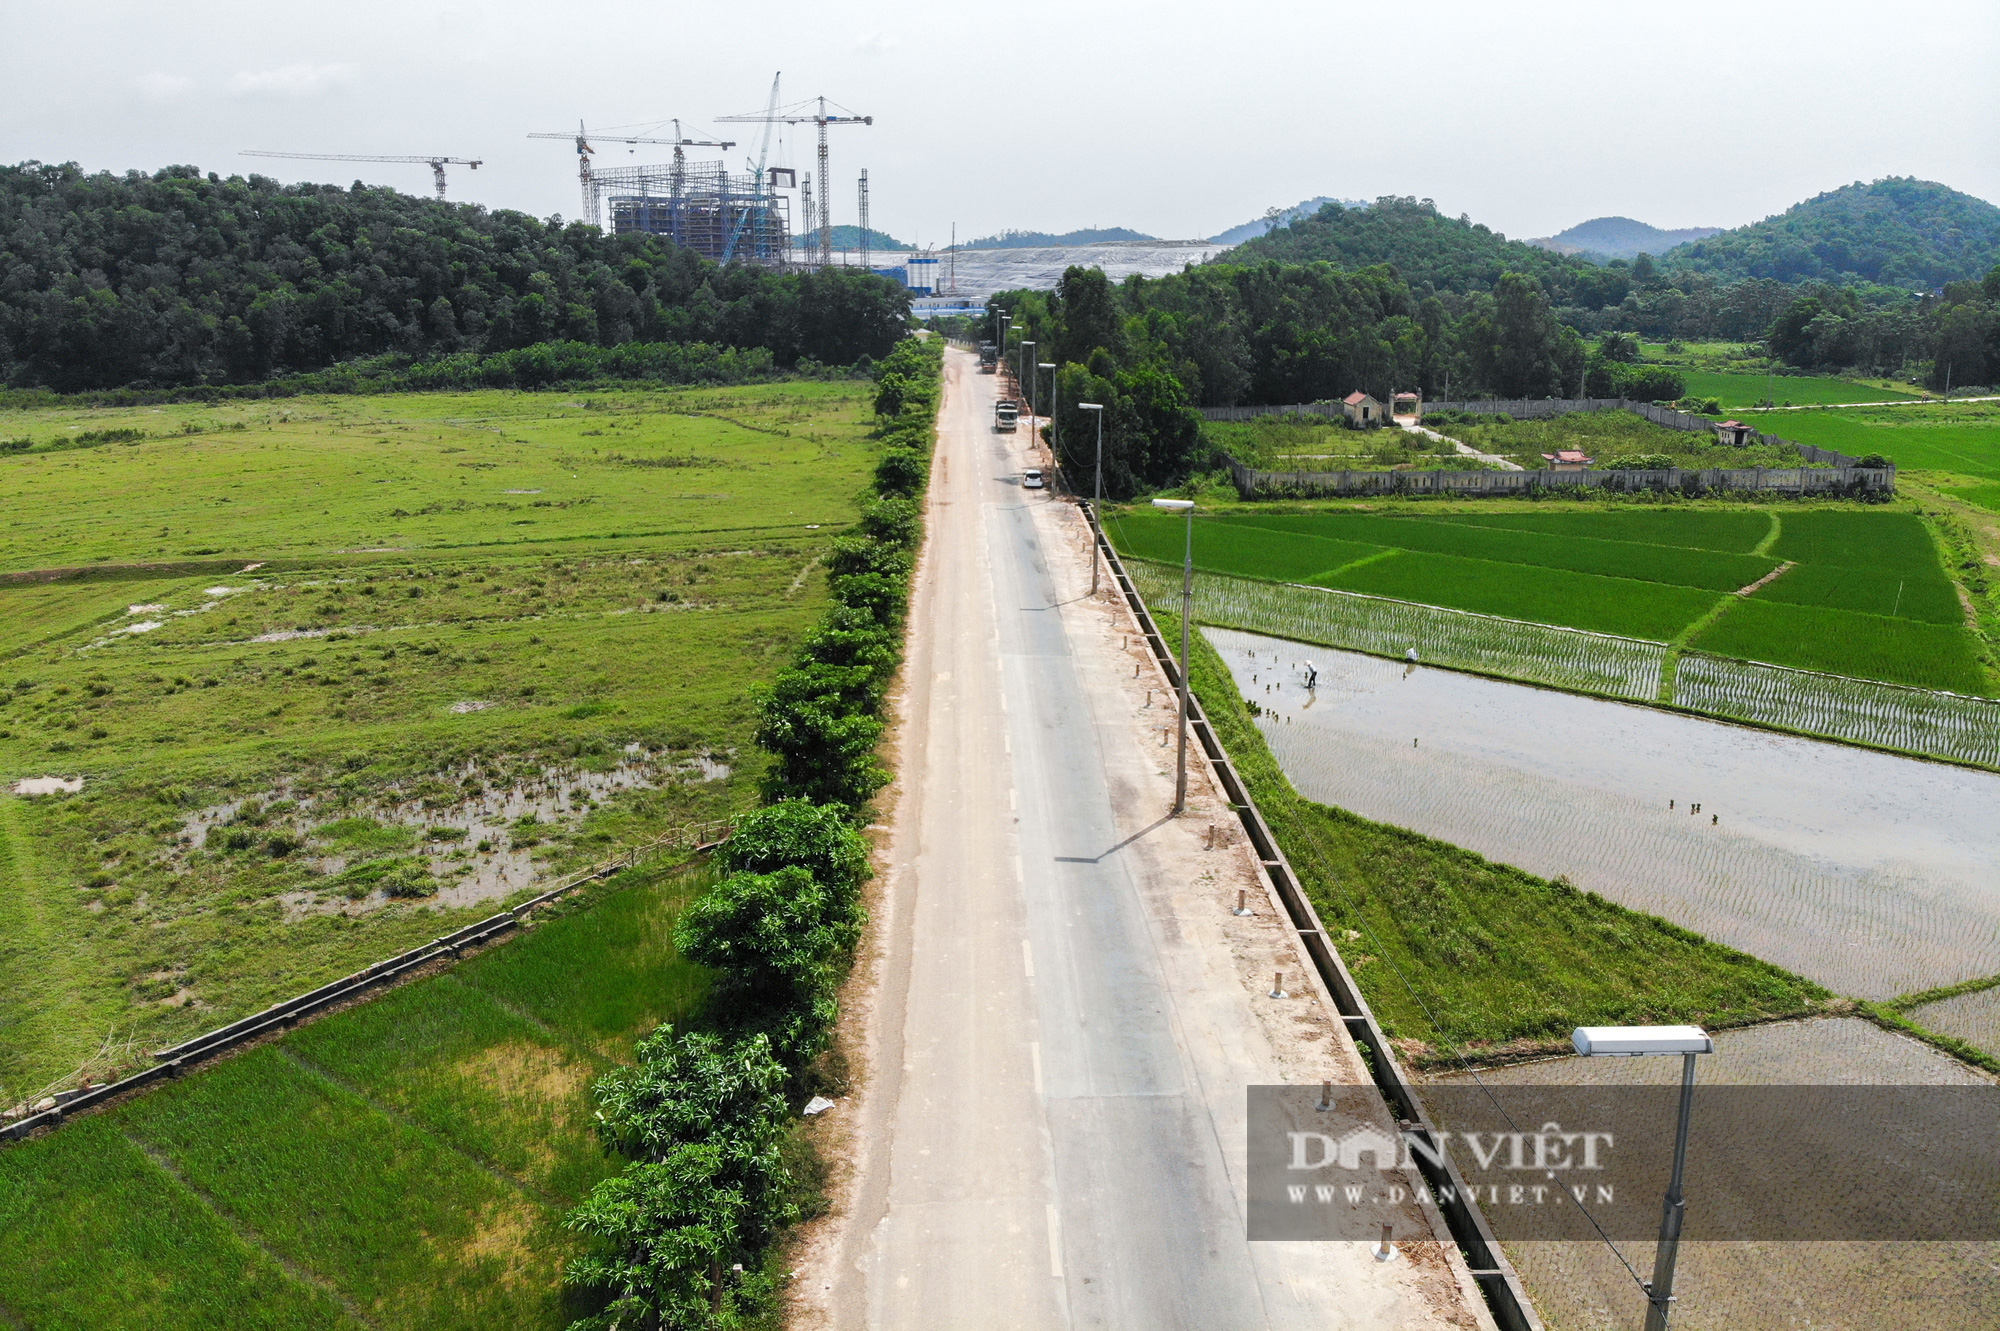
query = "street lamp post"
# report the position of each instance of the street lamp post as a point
(1641, 1042)
(1027, 382)
(1187, 614)
(1097, 499)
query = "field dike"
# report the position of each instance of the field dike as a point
(1922, 722)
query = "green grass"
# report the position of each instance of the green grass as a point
(1576, 600)
(1962, 438)
(1736, 390)
(98, 1235)
(1979, 496)
(622, 605)
(1607, 435)
(1573, 553)
(1867, 596)
(1842, 642)
(1733, 531)
(1458, 954)
(410, 1158)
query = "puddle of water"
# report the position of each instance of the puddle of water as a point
(1872, 874)
(143, 626)
(559, 798)
(48, 785)
(152, 609)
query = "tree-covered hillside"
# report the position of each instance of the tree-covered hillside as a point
(1430, 249)
(1897, 232)
(177, 278)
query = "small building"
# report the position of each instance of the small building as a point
(1567, 459)
(1363, 409)
(1734, 434)
(1407, 404)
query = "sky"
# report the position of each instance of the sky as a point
(1174, 119)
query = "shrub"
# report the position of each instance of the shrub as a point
(815, 837)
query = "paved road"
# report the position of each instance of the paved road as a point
(1058, 1070)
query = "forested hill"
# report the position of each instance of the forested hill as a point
(1428, 249)
(183, 279)
(1898, 232)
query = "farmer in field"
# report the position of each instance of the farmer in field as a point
(1312, 675)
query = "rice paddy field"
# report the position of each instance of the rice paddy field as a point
(1961, 439)
(406, 1163)
(301, 685)
(1862, 592)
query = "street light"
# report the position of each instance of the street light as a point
(1030, 385)
(1097, 500)
(1641, 1042)
(1187, 614)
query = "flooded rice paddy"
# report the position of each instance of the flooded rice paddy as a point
(1872, 874)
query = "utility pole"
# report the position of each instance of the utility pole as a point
(1097, 499)
(1187, 615)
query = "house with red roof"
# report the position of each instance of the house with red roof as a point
(1567, 459)
(1363, 409)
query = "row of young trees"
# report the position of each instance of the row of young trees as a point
(702, 1115)
(177, 278)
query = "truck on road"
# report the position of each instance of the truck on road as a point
(989, 358)
(1005, 413)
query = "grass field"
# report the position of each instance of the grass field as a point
(333, 689)
(1866, 594)
(1458, 954)
(1606, 436)
(1962, 438)
(1736, 390)
(405, 1163)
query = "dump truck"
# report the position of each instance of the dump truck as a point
(989, 358)
(1005, 413)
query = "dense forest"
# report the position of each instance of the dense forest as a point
(177, 278)
(1899, 232)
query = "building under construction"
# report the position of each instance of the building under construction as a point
(724, 217)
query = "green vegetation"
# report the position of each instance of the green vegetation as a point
(1898, 232)
(1612, 439)
(322, 760)
(1458, 955)
(1745, 389)
(406, 1163)
(1963, 438)
(1866, 595)
(699, 1115)
(175, 279)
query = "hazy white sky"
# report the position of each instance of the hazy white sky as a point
(1172, 118)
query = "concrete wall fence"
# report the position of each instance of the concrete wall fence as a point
(174, 1061)
(1831, 472)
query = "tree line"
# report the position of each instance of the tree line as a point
(702, 1116)
(178, 278)
(1153, 351)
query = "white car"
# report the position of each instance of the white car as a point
(1031, 479)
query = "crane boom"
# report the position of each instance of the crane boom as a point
(820, 118)
(584, 152)
(437, 162)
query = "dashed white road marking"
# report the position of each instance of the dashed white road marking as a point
(1028, 958)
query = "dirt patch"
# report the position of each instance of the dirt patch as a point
(524, 1071)
(48, 785)
(500, 1247)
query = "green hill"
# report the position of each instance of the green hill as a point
(1428, 248)
(1898, 232)
(847, 236)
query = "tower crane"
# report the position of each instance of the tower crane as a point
(584, 153)
(437, 164)
(803, 113)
